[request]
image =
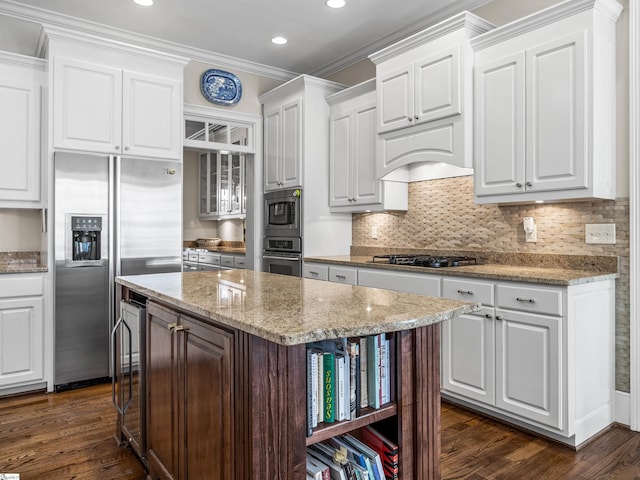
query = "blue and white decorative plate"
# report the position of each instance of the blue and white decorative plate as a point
(220, 87)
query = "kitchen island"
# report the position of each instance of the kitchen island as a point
(226, 370)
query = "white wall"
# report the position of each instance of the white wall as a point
(20, 230)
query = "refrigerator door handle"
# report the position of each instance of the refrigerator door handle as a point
(113, 260)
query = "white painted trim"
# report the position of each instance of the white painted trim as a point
(634, 209)
(622, 408)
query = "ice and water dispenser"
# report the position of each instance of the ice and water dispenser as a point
(86, 232)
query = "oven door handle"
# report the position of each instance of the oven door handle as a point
(273, 257)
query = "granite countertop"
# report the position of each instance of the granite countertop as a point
(292, 310)
(21, 262)
(495, 271)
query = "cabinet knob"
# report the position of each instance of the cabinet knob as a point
(529, 184)
(180, 328)
(498, 317)
(126, 148)
(410, 119)
(172, 326)
(519, 185)
(417, 117)
(117, 147)
(488, 315)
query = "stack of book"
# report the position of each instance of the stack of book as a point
(346, 375)
(346, 458)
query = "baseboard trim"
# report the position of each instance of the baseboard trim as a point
(622, 408)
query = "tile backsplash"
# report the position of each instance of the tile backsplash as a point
(443, 216)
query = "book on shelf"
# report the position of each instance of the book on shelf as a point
(318, 407)
(353, 346)
(364, 399)
(317, 469)
(387, 449)
(312, 390)
(329, 387)
(340, 383)
(325, 454)
(372, 458)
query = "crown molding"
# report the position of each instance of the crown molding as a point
(368, 50)
(96, 30)
(17, 60)
(367, 86)
(299, 83)
(609, 8)
(215, 112)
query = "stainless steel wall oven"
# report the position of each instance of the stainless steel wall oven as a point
(282, 249)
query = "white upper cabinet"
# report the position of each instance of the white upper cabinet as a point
(21, 82)
(109, 110)
(545, 106)
(424, 96)
(128, 104)
(353, 184)
(283, 145)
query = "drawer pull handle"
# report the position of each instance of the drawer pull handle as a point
(172, 326)
(526, 300)
(465, 292)
(312, 272)
(341, 277)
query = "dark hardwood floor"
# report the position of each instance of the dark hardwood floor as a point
(70, 435)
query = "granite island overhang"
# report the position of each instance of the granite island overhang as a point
(226, 382)
(291, 310)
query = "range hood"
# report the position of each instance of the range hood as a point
(419, 171)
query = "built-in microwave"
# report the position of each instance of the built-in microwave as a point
(283, 213)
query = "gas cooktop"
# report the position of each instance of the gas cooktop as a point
(425, 260)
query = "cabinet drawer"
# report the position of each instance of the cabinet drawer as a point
(530, 299)
(468, 291)
(227, 261)
(193, 257)
(20, 285)
(240, 262)
(319, 272)
(343, 275)
(402, 282)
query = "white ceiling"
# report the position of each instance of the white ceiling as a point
(321, 40)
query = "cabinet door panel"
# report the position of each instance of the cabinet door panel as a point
(340, 190)
(395, 99)
(272, 149)
(556, 117)
(500, 126)
(468, 356)
(87, 107)
(367, 185)
(19, 141)
(162, 439)
(21, 340)
(528, 366)
(207, 407)
(292, 144)
(438, 86)
(152, 113)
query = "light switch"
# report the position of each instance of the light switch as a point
(374, 232)
(604, 233)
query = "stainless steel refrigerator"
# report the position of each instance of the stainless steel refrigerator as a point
(112, 216)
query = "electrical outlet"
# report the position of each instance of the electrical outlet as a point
(374, 232)
(192, 224)
(600, 233)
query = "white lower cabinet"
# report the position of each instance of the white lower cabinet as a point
(541, 357)
(21, 332)
(400, 281)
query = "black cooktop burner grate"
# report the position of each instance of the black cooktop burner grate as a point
(431, 261)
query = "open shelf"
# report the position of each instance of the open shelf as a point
(367, 417)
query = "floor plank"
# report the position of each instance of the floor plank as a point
(70, 435)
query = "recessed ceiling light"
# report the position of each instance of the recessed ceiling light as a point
(279, 40)
(144, 3)
(335, 3)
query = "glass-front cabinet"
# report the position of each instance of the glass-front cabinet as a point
(222, 185)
